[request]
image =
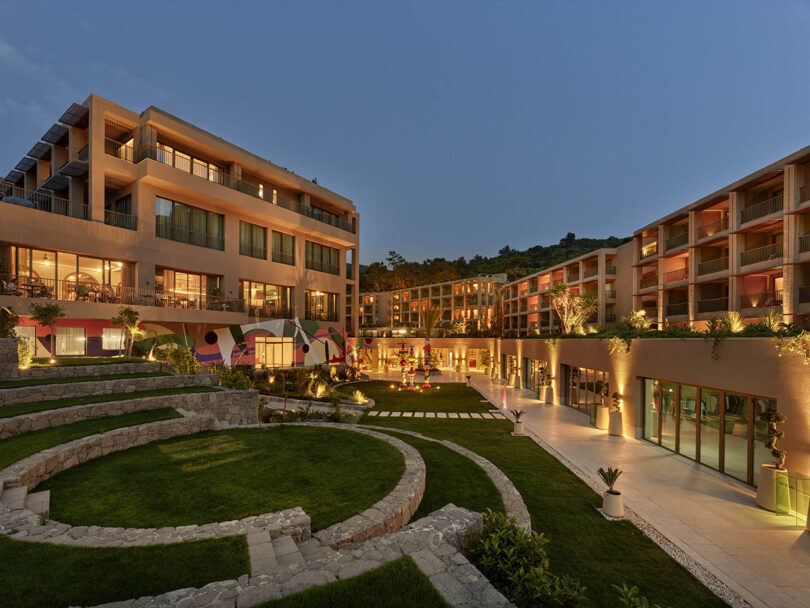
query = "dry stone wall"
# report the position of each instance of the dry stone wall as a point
(8, 359)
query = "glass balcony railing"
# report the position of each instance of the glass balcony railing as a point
(649, 251)
(323, 267)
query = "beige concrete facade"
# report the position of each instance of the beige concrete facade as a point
(93, 186)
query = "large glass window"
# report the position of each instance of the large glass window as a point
(187, 224)
(179, 289)
(112, 338)
(761, 454)
(687, 421)
(70, 341)
(283, 248)
(267, 300)
(651, 409)
(710, 405)
(322, 258)
(735, 436)
(668, 397)
(321, 306)
(274, 352)
(252, 240)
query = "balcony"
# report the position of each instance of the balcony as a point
(270, 312)
(224, 179)
(124, 151)
(646, 282)
(649, 252)
(590, 272)
(712, 228)
(804, 294)
(766, 299)
(76, 165)
(674, 276)
(761, 254)
(804, 243)
(610, 269)
(120, 220)
(610, 317)
(322, 316)
(678, 241)
(804, 193)
(323, 267)
(712, 266)
(681, 308)
(610, 294)
(42, 201)
(772, 205)
(573, 276)
(712, 305)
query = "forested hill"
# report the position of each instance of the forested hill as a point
(396, 272)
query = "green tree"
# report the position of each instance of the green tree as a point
(8, 321)
(128, 319)
(46, 314)
(572, 309)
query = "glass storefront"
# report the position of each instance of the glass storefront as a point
(717, 428)
(584, 386)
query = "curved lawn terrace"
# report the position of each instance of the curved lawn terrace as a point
(225, 475)
(442, 397)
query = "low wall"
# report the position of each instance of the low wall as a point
(47, 392)
(80, 371)
(277, 403)
(8, 359)
(230, 407)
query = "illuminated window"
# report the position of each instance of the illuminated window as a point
(112, 338)
(261, 191)
(70, 340)
(275, 352)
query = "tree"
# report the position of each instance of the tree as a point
(497, 311)
(8, 321)
(572, 309)
(46, 315)
(127, 318)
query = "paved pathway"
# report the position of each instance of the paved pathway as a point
(765, 558)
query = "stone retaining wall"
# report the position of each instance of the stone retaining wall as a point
(46, 392)
(230, 407)
(277, 403)
(8, 359)
(76, 371)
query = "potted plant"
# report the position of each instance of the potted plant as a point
(486, 362)
(518, 414)
(512, 374)
(772, 490)
(602, 411)
(545, 379)
(612, 502)
(615, 425)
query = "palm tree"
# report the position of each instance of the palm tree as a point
(573, 309)
(497, 311)
(430, 317)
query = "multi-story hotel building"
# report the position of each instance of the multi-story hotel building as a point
(203, 238)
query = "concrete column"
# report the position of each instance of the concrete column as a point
(300, 276)
(600, 288)
(735, 205)
(95, 177)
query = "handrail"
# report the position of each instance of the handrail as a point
(121, 220)
(711, 228)
(804, 243)
(34, 199)
(678, 240)
(761, 254)
(682, 308)
(646, 282)
(681, 274)
(124, 151)
(649, 252)
(713, 305)
(711, 266)
(761, 300)
(804, 294)
(804, 193)
(589, 272)
(772, 205)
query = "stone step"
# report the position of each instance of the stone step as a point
(287, 552)
(39, 502)
(14, 498)
(312, 550)
(262, 554)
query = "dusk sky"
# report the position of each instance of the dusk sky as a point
(455, 127)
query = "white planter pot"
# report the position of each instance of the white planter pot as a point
(613, 504)
(772, 489)
(518, 428)
(549, 395)
(511, 380)
(615, 426)
(602, 417)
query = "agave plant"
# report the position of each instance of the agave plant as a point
(732, 322)
(610, 476)
(772, 321)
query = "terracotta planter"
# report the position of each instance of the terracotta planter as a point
(518, 428)
(772, 490)
(613, 504)
(602, 417)
(615, 426)
(549, 397)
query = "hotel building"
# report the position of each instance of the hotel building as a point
(204, 239)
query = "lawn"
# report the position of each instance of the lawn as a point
(397, 584)
(20, 446)
(583, 544)
(41, 381)
(74, 361)
(332, 474)
(30, 407)
(443, 397)
(42, 575)
(452, 478)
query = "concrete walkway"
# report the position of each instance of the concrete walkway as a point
(763, 557)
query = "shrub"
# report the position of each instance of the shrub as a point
(636, 320)
(359, 398)
(24, 353)
(630, 597)
(8, 321)
(183, 360)
(610, 476)
(516, 563)
(732, 322)
(235, 379)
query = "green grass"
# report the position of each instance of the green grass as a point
(41, 381)
(583, 544)
(397, 584)
(20, 446)
(452, 478)
(443, 397)
(332, 474)
(74, 361)
(42, 575)
(30, 407)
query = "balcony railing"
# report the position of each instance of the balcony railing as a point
(589, 272)
(673, 276)
(712, 305)
(224, 179)
(764, 299)
(761, 254)
(804, 243)
(646, 282)
(573, 276)
(270, 312)
(323, 267)
(804, 193)
(121, 220)
(772, 205)
(610, 294)
(682, 308)
(253, 251)
(716, 227)
(678, 240)
(183, 234)
(610, 317)
(124, 151)
(610, 269)
(711, 266)
(649, 252)
(804, 294)
(42, 201)
(321, 316)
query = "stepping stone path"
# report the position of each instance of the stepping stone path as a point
(491, 415)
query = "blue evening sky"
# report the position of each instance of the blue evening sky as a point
(456, 127)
